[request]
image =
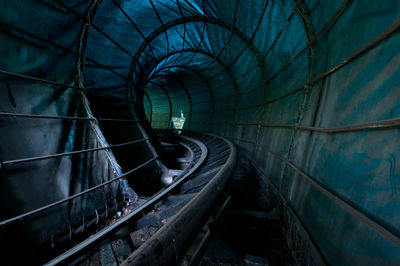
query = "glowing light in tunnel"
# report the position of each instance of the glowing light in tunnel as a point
(179, 121)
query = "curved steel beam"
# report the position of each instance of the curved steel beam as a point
(71, 10)
(205, 81)
(339, 11)
(191, 50)
(188, 96)
(171, 242)
(202, 33)
(188, 50)
(204, 19)
(169, 99)
(80, 55)
(231, 33)
(151, 106)
(184, 28)
(282, 29)
(192, 19)
(134, 25)
(236, 86)
(162, 23)
(6, 28)
(261, 60)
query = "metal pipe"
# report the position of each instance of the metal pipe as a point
(19, 217)
(192, 19)
(96, 28)
(389, 31)
(46, 157)
(40, 80)
(222, 64)
(332, 18)
(169, 100)
(204, 79)
(162, 23)
(16, 75)
(188, 96)
(117, 120)
(134, 25)
(281, 30)
(26, 33)
(347, 206)
(151, 106)
(184, 29)
(187, 50)
(44, 116)
(202, 34)
(266, 81)
(371, 125)
(66, 117)
(317, 254)
(120, 223)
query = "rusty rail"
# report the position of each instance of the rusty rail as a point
(169, 244)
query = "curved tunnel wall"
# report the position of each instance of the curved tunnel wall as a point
(278, 78)
(293, 84)
(56, 173)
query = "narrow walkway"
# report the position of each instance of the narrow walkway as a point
(249, 230)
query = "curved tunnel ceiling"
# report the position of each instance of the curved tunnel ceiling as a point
(181, 37)
(308, 90)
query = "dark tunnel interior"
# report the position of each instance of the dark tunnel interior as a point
(307, 90)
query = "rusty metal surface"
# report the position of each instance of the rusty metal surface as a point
(168, 245)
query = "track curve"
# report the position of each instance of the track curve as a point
(171, 217)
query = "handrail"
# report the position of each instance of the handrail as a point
(372, 223)
(19, 217)
(20, 115)
(380, 124)
(46, 157)
(40, 80)
(120, 223)
(168, 244)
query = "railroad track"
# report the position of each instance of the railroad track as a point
(159, 229)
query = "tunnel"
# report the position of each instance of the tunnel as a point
(305, 92)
